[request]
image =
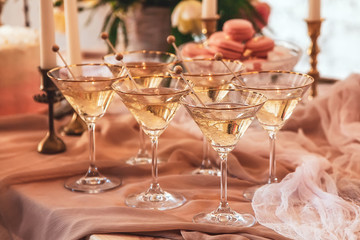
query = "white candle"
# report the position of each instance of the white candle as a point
(47, 35)
(209, 8)
(314, 10)
(72, 32)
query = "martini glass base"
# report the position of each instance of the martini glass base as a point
(92, 184)
(142, 160)
(248, 194)
(159, 201)
(227, 217)
(207, 171)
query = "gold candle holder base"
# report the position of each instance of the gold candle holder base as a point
(209, 25)
(75, 127)
(314, 27)
(51, 143)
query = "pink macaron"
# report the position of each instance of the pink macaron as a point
(227, 54)
(195, 50)
(220, 42)
(239, 29)
(260, 46)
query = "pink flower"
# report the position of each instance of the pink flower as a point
(264, 11)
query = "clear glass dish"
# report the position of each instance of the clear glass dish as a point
(284, 56)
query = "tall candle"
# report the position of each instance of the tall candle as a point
(209, 8)
(314, 10)
(72, 32)
(47, 35)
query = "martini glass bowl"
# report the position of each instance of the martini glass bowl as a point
(87, 87)
(144, 63)
(153, 101)
(223, 115)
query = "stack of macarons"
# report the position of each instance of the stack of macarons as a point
(238, 41)
(220, 42)
(196, 50)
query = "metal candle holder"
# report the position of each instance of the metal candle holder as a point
(209, 25)
(314, 27)
(51, 143)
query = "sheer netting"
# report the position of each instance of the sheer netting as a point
(306, 205)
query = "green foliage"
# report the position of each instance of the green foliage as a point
(180, 38)
(124, 5)
(229, 9)
(58, 3)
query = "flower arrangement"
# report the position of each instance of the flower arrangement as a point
(185, 14)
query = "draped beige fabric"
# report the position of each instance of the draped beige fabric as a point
(35, 205)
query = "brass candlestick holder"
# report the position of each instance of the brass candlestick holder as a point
(209, 25)
(314, 27)
(51, 143)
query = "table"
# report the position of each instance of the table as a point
(34, 204)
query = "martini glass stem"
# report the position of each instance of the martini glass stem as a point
(142, 148)
(223, 181)
(206, 163)
(272, 161)
(92, 171)
(154, 167)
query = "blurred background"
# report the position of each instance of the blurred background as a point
(339, 40)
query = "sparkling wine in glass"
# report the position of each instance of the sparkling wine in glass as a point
(87, 88)
(153, 101)
(284, 91)
(205, 74)
(223, 121)
(144, 63)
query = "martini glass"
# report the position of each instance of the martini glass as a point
(205, 74)
(153, 101)
(144, 63)
(284, 91)
(87, 87)
(223, 120)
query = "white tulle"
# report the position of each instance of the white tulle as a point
(306, 205)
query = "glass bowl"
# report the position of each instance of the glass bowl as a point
(284, 56)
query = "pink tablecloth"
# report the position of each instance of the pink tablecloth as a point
(35, 205)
